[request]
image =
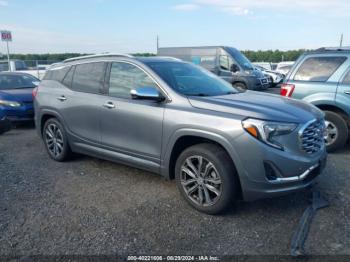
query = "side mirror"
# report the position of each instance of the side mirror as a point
(234, 68)
(146, 93)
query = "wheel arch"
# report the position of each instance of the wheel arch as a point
(335, 109)
(185, 138)
(240, 81)
(46, 115)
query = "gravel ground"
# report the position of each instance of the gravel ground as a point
(89, 206)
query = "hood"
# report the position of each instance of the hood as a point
(260, 105)
(19, 95)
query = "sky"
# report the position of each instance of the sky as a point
(131, 26)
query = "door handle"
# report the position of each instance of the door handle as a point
(109, 105)
(62, 98)
(347, 92)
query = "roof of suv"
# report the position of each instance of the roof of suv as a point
(94, 58)
(332, 50)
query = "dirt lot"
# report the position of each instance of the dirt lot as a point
(90, 206)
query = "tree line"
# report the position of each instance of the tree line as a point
(254, 56)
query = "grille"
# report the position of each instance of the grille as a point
(312, 137)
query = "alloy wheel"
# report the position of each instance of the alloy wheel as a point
(201, 181)
(331, 134)
(54, 139)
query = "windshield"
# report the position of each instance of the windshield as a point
(8, 81)
(191, 80)
(240, 58)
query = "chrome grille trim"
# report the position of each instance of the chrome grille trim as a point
(311, 136)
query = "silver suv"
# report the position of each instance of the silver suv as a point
(183, 122)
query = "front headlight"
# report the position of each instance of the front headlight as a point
(9, 103)
(267, 131)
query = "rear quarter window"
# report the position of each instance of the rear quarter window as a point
(57, 74)
(318, 69)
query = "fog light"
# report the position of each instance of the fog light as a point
(270, 171)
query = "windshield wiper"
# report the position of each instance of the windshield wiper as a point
(198, 94)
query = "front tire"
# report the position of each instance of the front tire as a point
(240, 86)
(337, 131)
(206, 178)
(55, 140)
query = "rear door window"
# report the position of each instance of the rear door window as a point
(318, 69)
(89, 77)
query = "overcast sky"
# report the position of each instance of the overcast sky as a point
(129, 26)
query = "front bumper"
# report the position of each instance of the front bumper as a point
(5, 125)
(19, 114)
(291, 172)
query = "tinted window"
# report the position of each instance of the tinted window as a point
(8, 81)
(125, 77)
(191, 80)
(346, 80)
(318, 69)
(89, 77)
(67, 80)
(56, 74)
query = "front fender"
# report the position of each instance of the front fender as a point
(165, 162)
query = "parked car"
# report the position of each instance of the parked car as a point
(284, 67)
(16, 101)
(20, 66)
(226, 62)
(264, 65)
(322, 78)
(5, 124)
(275, 77)
(178, 119)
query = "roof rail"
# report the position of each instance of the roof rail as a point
(96, 56)
(343, 48)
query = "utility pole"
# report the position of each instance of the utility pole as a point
(157, 43)
(8, 55)
(341, 40)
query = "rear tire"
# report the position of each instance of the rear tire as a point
(337, 131)
(212, 188)
(55, 140)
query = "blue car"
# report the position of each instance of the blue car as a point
(16, 100)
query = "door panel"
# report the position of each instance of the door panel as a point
(82, 112)
(131, 126)
(82, 104)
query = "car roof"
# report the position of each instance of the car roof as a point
(111, 58)
(330, 50)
